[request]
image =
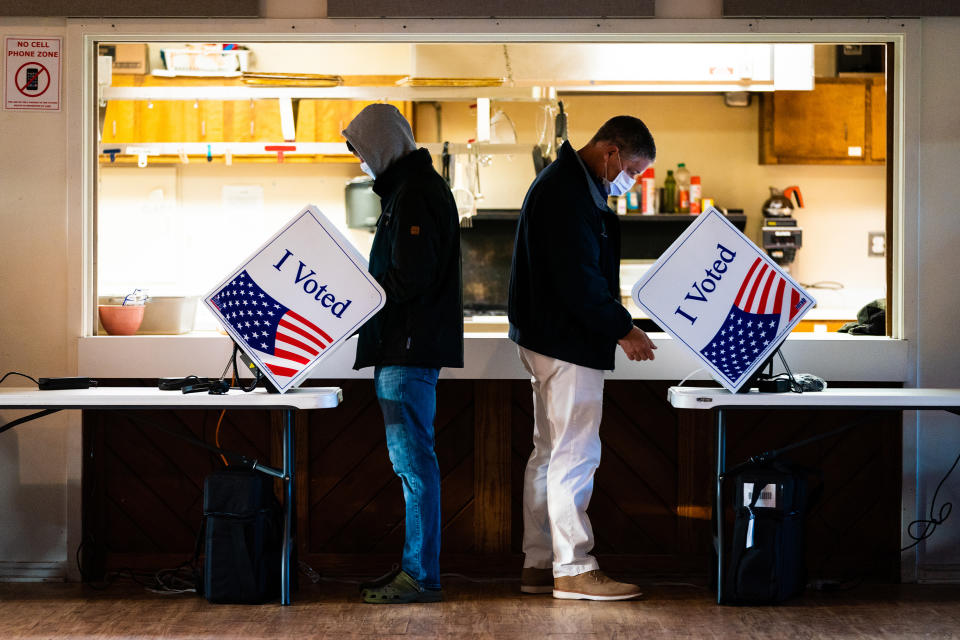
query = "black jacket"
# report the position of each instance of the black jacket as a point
(416, 258)
(565, 276)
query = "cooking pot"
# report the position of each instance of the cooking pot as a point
(779, 205)
(363, 205)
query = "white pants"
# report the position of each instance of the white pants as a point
(558, 483)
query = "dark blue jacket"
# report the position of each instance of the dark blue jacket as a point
(565, 275)
(416, 259)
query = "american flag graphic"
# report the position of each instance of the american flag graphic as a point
(766, 302)
(284, 341)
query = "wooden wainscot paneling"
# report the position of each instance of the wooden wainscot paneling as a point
(650, 510)
(492, 477)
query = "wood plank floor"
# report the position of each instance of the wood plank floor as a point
(475, 610)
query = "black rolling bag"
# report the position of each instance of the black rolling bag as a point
(243, 537)
(766, 561)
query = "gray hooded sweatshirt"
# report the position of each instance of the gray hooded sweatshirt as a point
(381, 136)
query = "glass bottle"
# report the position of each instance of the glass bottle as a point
(683, 188)
(669, 202)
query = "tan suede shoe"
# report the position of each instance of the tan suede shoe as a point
(533, 580)
(593, 585)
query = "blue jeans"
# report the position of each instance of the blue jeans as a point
(408, 399)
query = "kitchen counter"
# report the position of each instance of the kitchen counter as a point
(491, 355)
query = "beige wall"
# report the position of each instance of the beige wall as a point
(33, 328)
(720, 144)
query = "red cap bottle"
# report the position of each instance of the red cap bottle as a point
(649, 192)
(695, 194)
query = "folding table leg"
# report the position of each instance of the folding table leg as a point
(721, 444)
(285, 559)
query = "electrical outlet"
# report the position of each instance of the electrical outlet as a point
(876, 244)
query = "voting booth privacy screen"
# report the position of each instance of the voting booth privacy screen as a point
(723, 298)
(297, 298)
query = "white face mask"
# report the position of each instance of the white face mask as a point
(620, 185)
(367, 170)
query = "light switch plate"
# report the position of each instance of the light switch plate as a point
(876, 244)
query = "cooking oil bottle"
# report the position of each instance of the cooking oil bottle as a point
(669, 202)
(683, 188)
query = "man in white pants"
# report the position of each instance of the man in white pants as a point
(567, 320)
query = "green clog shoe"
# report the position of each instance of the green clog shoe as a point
(401, 589)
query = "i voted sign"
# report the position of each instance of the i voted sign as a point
(722, 297)
(297, 298)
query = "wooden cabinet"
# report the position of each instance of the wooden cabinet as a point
(877, 97)
(146, 122)
(323, 120)
(150, 121)
(841, 121)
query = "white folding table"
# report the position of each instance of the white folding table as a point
(132, 398)
(720, 400)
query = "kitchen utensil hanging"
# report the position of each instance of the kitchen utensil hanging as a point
(445, 159)
(479, 160)
(546, 140)
(560, 127)
(502, 129)
(465, 172)
(466, 206)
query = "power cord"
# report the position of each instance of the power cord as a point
(17, 373)
(690, 375)
(213, 386)
(930, 524)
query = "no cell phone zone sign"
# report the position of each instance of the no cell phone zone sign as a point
(32, 73)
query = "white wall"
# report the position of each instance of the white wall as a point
(33, 328)
(38, 465)
(938, 438)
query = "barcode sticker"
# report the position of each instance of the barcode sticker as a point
(767, 498)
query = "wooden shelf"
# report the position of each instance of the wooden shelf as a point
(679, 218)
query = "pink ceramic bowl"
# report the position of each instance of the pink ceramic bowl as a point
(120, 320)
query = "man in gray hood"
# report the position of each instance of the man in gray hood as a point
(416, 259)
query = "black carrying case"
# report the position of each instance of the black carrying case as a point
(243, 537)
(766, 560)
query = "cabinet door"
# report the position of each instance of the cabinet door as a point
(202, 121)
(827, 123)
(120, 121)
(251, 121)
(878, 121)
(323, 120)
(831, 124)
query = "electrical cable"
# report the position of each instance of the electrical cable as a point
(216, 433)
(17, 373)
(690, 375)
(32, 416)
(930, 524)
(200, 443)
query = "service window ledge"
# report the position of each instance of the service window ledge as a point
(492, 356)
